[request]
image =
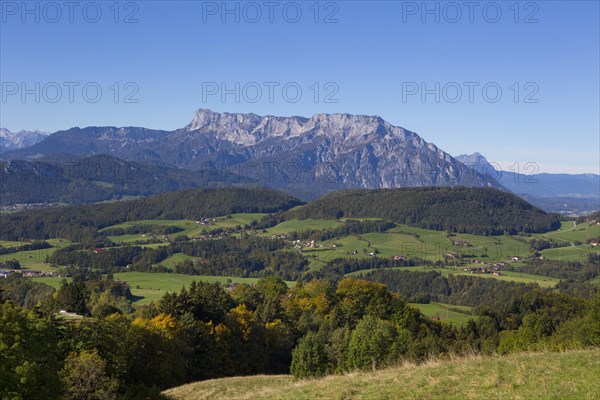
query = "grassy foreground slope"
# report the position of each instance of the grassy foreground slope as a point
(569, 375)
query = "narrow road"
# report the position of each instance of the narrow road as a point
(574, 226)
(564, 240)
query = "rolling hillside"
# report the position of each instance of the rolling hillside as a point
(189, 204)
(463, 210)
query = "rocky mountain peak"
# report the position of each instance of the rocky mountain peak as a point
(250, 129)
(478, 162)
(473, 159)
(17, 140)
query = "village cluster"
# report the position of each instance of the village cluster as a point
(4, 273)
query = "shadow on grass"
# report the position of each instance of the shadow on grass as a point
(135, 298)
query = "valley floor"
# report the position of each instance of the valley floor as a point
(568, 375)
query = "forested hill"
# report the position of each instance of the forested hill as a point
(464, 210)
(98, 178)
(79, 223)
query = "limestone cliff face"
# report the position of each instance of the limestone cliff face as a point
(352, 150)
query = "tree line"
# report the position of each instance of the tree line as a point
(142, 228)
(35, 245)
(82, 223)
(247, 256)
(205, 331)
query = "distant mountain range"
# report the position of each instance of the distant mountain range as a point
(554, 192)
(19, 140)
(306, 157)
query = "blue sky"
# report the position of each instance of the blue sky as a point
(419, 65)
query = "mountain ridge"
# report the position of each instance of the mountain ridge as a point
(17, 140)
(97, 178)
(554, 192)
(312, 156)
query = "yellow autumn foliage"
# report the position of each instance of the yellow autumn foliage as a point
(163, 324)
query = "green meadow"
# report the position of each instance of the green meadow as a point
(571, 253)
(54, 281)
(8, 243)
(445, 312)
(401, 240)
(175, 259)
(148, 287)
(415, 242)
(571, 232)
(543, 281)
(190, 228)
(296, 225)
(33, 259)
